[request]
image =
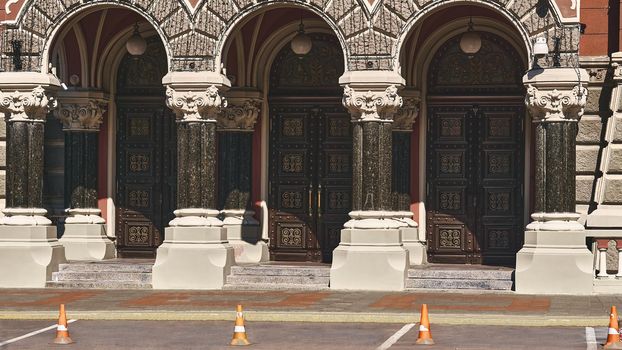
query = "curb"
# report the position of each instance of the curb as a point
(318, 317)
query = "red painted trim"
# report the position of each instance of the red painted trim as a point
(102, 164)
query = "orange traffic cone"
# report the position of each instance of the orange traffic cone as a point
(613, 335)
(62, 333)
(425, 336)
(239, 332)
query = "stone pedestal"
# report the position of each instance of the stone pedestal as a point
(193, 258)
(29, 250)
(555, 258)
(81, 114)
(87, 242)
(412, 240)
(554, 262)
(370, 255)
(195, 253)
(28, 256)
(245, 237)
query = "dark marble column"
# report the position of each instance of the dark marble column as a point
(81, 169)
(25, 122)
(81, 115)
(402, 132)
(555, 167)
(555, 108)
(372, 113)
(196, 164)
(371, 182)
(196, 155)
(236, 125)
(24, 182)
(234, 169)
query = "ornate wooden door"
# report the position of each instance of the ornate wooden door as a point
(475, 183)
(310, 180)
(145, 155)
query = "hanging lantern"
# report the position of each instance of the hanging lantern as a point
(301, 44)
(541, 47)
(136, 45)
(470, 42)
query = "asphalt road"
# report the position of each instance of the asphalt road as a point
(275, 335)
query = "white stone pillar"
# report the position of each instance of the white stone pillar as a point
(371, 255)
(236, 124)
(29, 249)
(195, 253)
(554, 258)
(82, 113)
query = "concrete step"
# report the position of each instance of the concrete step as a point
(98, 285)
(275, 286)
(478, 284)
(470, 274)
(66, 275)
(285, 280)
(276, 270)
(105, 267)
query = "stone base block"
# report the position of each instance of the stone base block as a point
(417, 250)
(193, 258)
(87, 242)
(605, 217)
(554, 262)
(247, 244)
(371, 259)
(28, 256)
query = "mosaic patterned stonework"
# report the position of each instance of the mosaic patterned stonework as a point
(194, 30)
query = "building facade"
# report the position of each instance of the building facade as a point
(411, 132)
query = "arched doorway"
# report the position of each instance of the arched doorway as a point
(475, 153)
(310, 159)
(146, 154)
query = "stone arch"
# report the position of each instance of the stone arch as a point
(515, 14)
(249, 12)
(39, 22)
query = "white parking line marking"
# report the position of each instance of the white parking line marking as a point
(590, 338)
(28, 335)
(395, 337)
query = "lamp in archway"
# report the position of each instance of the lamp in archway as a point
(471, 41)
(301, 44)
(136, 45)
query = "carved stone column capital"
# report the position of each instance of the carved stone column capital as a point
(406, 116)
(192, 106)
(372, 105)
(85, 116)
(556, 105)
(27, 105)
(240, 116)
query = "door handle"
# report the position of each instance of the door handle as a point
(310, 213)
(319, 201)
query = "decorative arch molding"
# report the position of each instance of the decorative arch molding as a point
(39, 21)
(526, 17)
(416, 62)
(194, 31)
(254, 10)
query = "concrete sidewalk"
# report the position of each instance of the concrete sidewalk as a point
(315, 306)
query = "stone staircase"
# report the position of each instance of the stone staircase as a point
(452, 277)
(272, 276)
(113, 274)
